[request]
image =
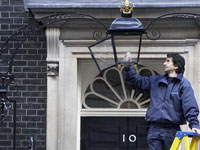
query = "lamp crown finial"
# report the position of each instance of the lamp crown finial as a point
(126, 7)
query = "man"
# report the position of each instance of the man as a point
(172, 102)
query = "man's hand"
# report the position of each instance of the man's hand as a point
(127, 57)
(196, 130)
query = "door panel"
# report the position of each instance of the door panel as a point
(138, 127)
(103, 133)
(104, 136)
(113, 133)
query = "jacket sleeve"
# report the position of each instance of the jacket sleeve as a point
(137, 82)
(190, 106)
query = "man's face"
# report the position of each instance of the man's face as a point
(169, 65)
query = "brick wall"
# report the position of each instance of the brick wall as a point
(30, 89)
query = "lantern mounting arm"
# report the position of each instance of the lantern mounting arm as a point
(38, 25)
(155, 34)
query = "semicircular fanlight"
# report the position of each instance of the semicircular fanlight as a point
(110, 91)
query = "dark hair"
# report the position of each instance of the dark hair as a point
(178, 61)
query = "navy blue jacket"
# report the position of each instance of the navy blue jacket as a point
(171, 102)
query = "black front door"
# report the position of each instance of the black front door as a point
(113, 133)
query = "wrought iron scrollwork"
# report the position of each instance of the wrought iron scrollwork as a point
(98, 35)
(37, 25)
(153, 34)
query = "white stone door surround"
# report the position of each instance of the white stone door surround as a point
(63, 100)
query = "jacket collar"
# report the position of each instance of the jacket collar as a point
(179, 77)
(164, 78)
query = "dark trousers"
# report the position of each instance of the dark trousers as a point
(161, 138)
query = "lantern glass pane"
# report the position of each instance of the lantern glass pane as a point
(126, 44)
(103, 54)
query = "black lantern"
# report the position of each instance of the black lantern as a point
(126, 26)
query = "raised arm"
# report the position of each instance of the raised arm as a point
(141, 83)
